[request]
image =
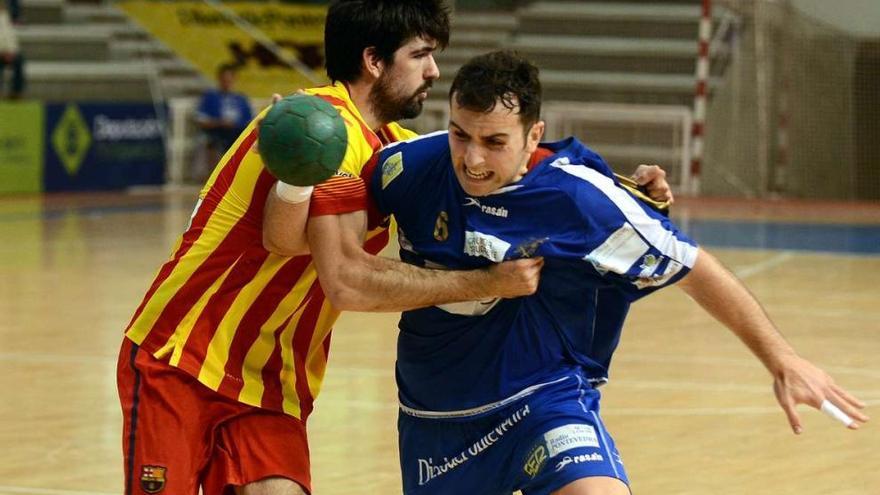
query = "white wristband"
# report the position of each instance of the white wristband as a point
(293, 194)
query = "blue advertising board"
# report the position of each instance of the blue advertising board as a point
(101, 146)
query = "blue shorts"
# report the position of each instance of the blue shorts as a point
(538, 445)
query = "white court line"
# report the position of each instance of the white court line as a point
(756, 268)
(21, 490)
(747, 363)
(706, 411)
(829, 314)
(710, 387)
(26, 357)
(34, 357)
(363, 372)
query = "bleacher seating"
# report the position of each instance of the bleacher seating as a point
(636, 51)
(43, 11)
(93, 52)
(626, 57)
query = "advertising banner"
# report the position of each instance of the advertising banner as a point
(95, 146)
(21, 147)
(209, 36)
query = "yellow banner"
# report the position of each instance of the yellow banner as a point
(21, 147)
(208, 37)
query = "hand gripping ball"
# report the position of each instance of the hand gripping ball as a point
(302, 140)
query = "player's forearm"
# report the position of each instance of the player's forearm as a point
(284, 226)
(723, 296)
(355, 280)
(379, 284)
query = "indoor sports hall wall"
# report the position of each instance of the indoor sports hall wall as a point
(261, 39)
(796, 113)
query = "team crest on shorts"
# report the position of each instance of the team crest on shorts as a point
(536, 460)
(152, 478)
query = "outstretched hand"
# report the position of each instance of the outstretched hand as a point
(802, 382)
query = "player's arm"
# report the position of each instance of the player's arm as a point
(796, 380)
(355, 280)
(284, 220)
(285, 215)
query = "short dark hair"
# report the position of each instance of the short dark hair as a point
(499, 76)
(354, 25)
(226, 68)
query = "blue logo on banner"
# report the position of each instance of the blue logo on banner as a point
(103, 146)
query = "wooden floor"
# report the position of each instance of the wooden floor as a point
(691, 410)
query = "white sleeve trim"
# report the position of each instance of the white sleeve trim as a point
(648, 227)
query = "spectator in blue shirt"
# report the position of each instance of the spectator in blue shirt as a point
(222, 113)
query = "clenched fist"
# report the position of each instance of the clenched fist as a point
(516, 278)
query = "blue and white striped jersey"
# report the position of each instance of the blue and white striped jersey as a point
(603, 249)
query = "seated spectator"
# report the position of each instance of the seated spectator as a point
(14, 10)
(10, 54)
(222, 113)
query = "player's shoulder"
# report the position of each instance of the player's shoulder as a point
(337, 95)
(578, 176)
(414, 159)
(362, 142)
(574, 165)
(400, 133)
(430, 146)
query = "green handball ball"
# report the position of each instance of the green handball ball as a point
(302, 140)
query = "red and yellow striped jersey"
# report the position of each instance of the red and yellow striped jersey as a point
(250, 324)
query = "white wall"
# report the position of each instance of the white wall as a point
(859, 17)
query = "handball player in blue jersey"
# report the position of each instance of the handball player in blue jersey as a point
(501, 395)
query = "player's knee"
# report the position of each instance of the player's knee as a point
(597, 485)
(271, 486)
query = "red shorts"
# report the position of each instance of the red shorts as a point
(179, 435)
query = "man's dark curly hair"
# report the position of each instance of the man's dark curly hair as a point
(502, 76)
(353, 25)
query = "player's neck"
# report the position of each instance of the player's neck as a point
(538, 156)
(360, 95)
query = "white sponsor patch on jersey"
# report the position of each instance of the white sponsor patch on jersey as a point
(619, 251)
(485, 245)
(565, 438)
(649, 227)
(655, 280)
(392, 167)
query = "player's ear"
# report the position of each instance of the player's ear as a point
(372, 62)
(533, 137)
